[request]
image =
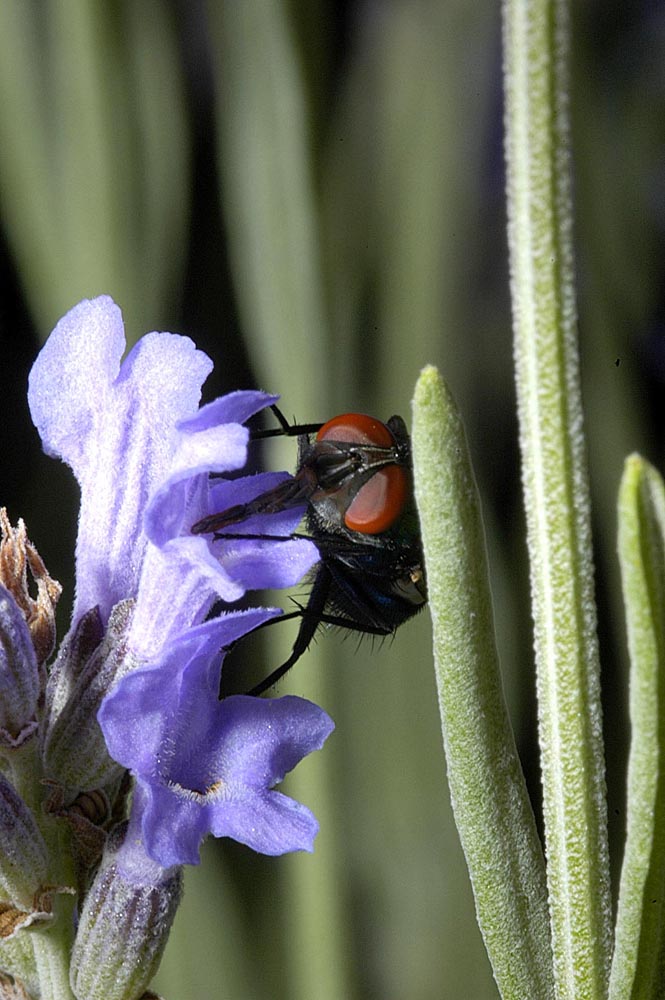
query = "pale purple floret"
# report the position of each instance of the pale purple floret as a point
(204, 766)
(142, 451)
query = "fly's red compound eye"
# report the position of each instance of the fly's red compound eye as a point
(380, 501)
(357, 428)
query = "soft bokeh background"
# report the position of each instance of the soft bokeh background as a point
(313, 190)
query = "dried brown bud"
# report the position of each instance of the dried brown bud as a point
(17, 555)
(12, 988)
(13, 919)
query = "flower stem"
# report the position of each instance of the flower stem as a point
(52, 945)
(556, 493)
(52, 952)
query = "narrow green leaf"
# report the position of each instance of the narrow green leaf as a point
(26, 183)
(268, 198)
(160, 193)
(638, 964)
(93, 155)
(490, 801)
(90, 182)
(271, 218)
(556, 494)
(209, 916)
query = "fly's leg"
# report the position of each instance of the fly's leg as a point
(285, 429)
(311, 616)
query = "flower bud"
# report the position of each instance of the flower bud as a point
(23, 857)
(19, 675)
(74, 750)
(17, 554)
(124, 925)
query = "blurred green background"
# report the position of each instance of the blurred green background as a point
(313, 191)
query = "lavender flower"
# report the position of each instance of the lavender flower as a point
(134, 684)
(209, 766)
(142, 450)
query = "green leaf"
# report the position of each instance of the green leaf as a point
(93, 155)
(489, 796)
(556, 494)
(638, 965)
(268, 198)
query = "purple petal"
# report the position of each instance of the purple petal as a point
(271, 823)
(202, 568)
(207, 766)
(141, 711)
(262, 739)
(215, 449)
(117, 428)
(181, 500)
(256, 563)
(72, 378)
(234, 408)
(178, 586)
(261, 565)
(188, 494)
(174, 822)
